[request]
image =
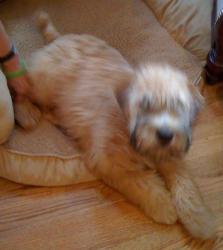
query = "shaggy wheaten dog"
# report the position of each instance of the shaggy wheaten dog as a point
(131, 125)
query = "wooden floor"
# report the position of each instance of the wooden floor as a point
(93, 216)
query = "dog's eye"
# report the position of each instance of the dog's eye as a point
(145, 104)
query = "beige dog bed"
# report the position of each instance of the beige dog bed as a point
(45, 156)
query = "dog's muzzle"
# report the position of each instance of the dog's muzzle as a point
(164, 136)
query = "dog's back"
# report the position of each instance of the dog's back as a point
(70, 58)
(77, 75)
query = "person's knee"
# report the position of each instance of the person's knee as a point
(6, 110)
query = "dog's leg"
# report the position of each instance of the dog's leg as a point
(142, 187)
(27, 115)
(46, 27)
(190, 206)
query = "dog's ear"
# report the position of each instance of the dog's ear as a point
(197, 101)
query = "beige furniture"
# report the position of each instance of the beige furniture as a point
(6, 110)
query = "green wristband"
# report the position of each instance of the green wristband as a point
(17, 73)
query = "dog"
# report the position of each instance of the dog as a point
(133, 126)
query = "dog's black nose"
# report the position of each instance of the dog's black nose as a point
(164, 135)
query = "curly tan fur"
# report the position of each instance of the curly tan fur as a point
(101, 102)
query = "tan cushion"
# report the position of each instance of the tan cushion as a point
(42, 170)
(45, 156)
(188, 21)
(6, 110)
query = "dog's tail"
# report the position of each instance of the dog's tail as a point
(46, 27)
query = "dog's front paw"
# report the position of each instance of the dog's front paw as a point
(201, 223)
(192, 211)
(27, 115)
(161, 209)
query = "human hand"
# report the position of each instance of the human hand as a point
(18, 85)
